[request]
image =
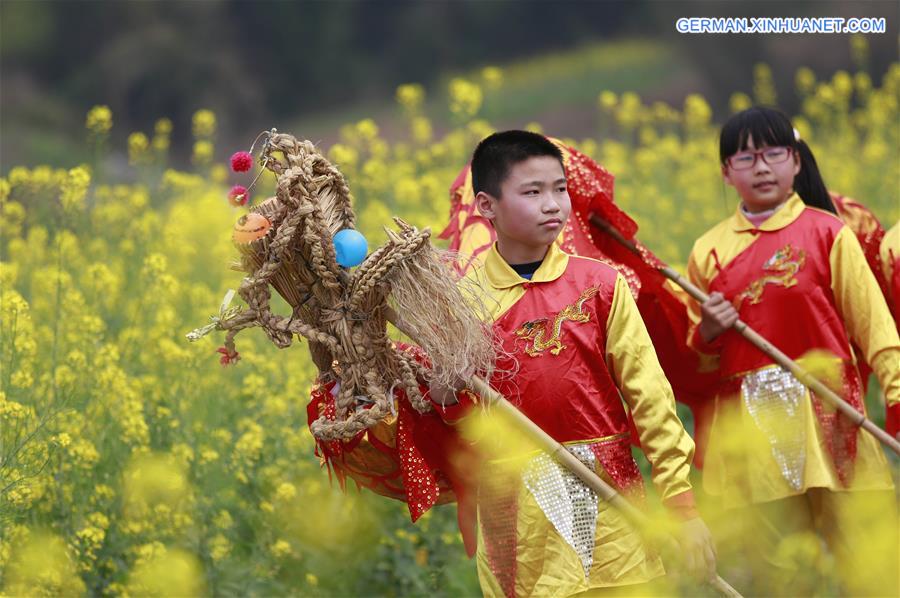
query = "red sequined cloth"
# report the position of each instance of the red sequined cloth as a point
(498, 505)
(841, 433)
(615, 457)
(388, 458)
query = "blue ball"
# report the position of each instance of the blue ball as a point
(351, 247)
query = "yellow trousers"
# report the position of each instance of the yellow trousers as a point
(819, 542)
(638, 590)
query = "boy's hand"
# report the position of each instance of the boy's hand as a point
(442, 394)
(718, 316)
(698, 547)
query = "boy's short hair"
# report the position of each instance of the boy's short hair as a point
(496, 154)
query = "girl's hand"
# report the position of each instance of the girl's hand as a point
(718, 316)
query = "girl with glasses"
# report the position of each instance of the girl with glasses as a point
(786, 469)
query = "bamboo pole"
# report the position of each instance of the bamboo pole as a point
(558, 452)
(762, 344)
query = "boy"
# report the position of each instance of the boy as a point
(578, 339)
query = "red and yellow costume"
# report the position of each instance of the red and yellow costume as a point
(801, 280)
(578, 339)
(663, 306)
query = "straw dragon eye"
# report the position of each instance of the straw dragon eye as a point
(250, 227)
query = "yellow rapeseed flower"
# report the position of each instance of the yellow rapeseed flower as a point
(12, 216)
(859, 50)
(41, 565)
(805, 80)
(367, 129)
(407, 193)
(803, 127)
(137, 147)
(607, 100)
(250, 444)
(203, 124)
(63, 439)
(203, 153)
(163, 126)
(219, 548)
(842, 84)
(74, 189)
(492, 77)
(174, 572)
(223, 520)
(9, 272)
(281, 549)
(154, 479)
(410, 96)
(208, 455)
(285, 491)
(697, 113)
(99, 120)
(344, 156)
(465, 98)
(739, 102)
(628, 112)
(420, 127)
(863, 84)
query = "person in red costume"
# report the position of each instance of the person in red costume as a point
(786, 265)
(580, 347)
(662, 305)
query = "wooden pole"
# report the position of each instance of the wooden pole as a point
(762, 344)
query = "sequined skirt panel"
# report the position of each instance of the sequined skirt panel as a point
(766, 443)
(542, 532)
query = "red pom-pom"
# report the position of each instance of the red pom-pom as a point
(238, 195)
(241, 161)
(228, 357)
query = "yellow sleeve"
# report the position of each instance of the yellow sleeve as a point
(636, 370)
(864, 312)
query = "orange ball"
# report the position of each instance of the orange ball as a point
(250, 227)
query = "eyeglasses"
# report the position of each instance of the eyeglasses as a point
(770, 155)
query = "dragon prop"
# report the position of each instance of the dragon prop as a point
(286, 243)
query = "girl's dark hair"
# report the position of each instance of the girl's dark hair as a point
(770, 126)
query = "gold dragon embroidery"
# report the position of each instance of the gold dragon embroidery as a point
(781, 269)
(536, 330)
